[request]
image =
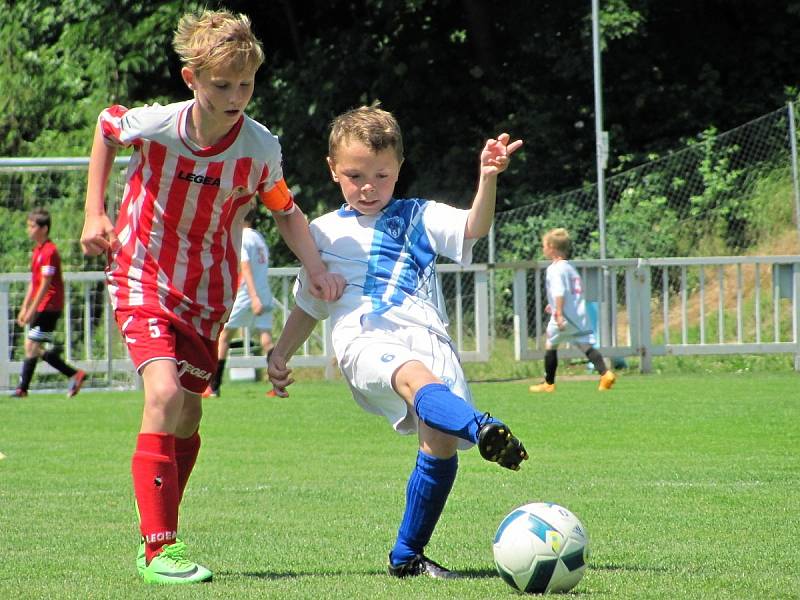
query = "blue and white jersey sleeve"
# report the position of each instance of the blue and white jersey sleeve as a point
(446, 225)
(308, 303)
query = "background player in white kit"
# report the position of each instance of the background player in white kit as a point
(567, 308)
(253, 305)
(388, 333)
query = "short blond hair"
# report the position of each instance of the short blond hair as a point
(217, 38)
(558, 239)
(374, 127)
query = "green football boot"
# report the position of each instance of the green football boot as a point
(141, 561)
(171, 567)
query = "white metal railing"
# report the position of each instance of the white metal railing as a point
(101, 330)
(654, 307)
(674, 315)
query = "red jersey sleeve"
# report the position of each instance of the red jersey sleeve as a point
(50, 260)
(111, 125)
(278, 198)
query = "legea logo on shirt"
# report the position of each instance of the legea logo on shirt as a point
(195, 178)
(394, 226)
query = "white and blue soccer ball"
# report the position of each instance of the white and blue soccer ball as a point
(540, 548)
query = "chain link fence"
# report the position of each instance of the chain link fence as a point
(724, 194)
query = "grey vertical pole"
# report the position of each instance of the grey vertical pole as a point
(601, 141)
(793, 145)
(492, 260)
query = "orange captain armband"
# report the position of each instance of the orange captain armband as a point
(279, 198)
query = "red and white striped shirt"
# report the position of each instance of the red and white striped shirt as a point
(181, 219)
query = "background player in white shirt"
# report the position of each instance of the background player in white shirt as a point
(389, 335)
(253, 305)
(567, 308)
(174, 254)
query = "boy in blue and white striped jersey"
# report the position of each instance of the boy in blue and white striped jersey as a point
(389, 331)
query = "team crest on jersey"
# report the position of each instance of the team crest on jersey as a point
(394, 226)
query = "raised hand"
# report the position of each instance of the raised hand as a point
(496, 154)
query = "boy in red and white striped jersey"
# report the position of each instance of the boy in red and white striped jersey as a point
(174, 254)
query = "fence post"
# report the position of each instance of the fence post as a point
(644, 298)
(796, 313)
(520, 298)
(492, 261)
(795, 184)
(5, 334)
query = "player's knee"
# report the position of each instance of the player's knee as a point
(412, 375)
(166, 393)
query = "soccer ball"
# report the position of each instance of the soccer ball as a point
(541, 547)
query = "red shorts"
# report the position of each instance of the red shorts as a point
(152, 335)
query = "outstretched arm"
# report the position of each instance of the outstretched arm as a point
(495, 158)
(298, 327)
(98, 230)
(294, 230)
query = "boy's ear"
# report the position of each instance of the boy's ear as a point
(332, 168)
(188, 77)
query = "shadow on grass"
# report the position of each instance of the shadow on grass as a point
(611, 567)
(465, 574)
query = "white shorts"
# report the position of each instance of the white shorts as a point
(572, 333)
(242, 316)
(370, 360)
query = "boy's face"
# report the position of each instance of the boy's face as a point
(548, 251)
(222, 93)
(367, 178)
(35, 232)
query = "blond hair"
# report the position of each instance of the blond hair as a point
(558, 240)
(374, 127)
(217, 38)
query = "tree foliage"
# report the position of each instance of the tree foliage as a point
(453, 71)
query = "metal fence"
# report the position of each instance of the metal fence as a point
(723, 195)
(658, 307)
(90, 340)
(673, 306)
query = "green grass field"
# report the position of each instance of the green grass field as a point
(689, 487)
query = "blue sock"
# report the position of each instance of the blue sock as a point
(441, 409)
(428, 487)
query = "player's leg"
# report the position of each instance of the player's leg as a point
(158, 350)
(426, 495)
(438, 407)
(265, 336)
(154, 467)
(157, 482)
(550, 362)
(223, 345)
(607, 377)
(187, 438)
(40, 332)
(33, 350)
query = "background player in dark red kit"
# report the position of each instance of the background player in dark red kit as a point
(42, 307)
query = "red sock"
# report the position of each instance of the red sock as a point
(186, 450)
(155, 484)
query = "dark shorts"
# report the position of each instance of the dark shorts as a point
(43, 325)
